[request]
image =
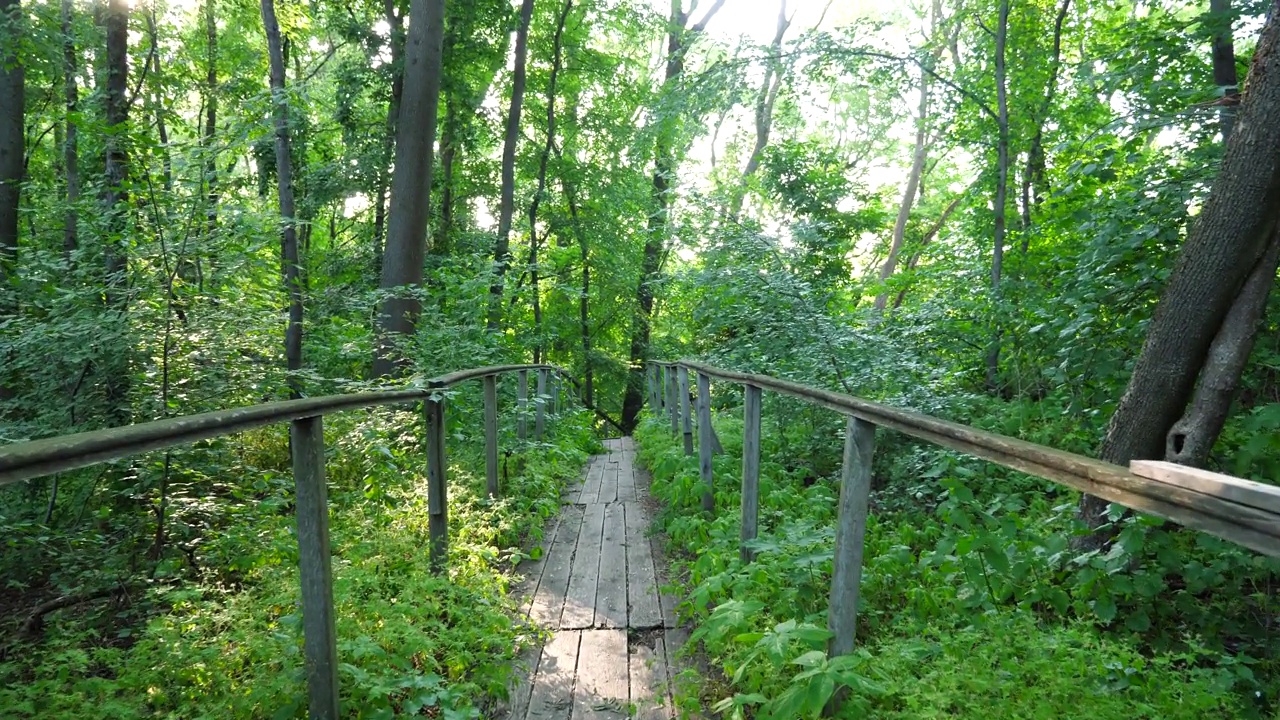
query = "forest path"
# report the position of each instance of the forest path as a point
(596, 588)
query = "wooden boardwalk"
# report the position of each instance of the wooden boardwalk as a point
(596, 587)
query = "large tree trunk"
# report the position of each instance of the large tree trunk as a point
(284, 187)
(506, 202)
(1002, 193)
(12, 107)
(664, 171)
(396, 22)
(70, 147)
(1225, 245)
(116, 195)
(411, 183)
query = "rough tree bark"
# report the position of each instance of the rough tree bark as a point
(506, 202)
(284, 187)
(115, 196)
(1225, 245)
(411, 182)
(395, 21)
(679, 38)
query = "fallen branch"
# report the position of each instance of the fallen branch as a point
(34, 624)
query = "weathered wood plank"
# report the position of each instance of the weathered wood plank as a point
(750, 469)
(609, 481)
(649, 682)
(611, 589)
(437, 483)
(645, 611)
(579, 606)
(521, 689)
(851, 528)
(704, 443)
(522, 407)
(602, 689)
(686, 417)
(674, 640)
(491, 433)
(534, 568)
(1246, 492)
(540, 406)
(553, 588)
(320, 644)
(627, 478)
(553, 684)
(591, 487)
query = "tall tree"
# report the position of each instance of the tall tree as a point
(766, 98)
(70, 148)
(1035, 185)
(284, 189)
(12, 107)
(1001, 35)
(1229, 242)
(411, 182)
(115, 189)
(395, 21)
(506, 201)
(209, 139)
(1224, 64)
(680, 36)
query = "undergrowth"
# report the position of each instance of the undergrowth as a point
(974, 603)
(227, 643)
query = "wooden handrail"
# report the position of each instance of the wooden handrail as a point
(27, 460)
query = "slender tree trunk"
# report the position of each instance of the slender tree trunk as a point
(116, 194)
(284, 187)
(506, 202)
(924, 242)
(1035, 182)
(70, 147)
(765, 100)
(212, 196)
(12, 107)
(909, 193)
(448, 152)
(396, 23)
(156, 99)
(664, 172)
(411, 183)
(1229, 241)
(1001, 198)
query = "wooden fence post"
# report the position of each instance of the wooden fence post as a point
(673, 404)
(554, 379)
(540, 406)
(437, 482)
(491, 433)
(522, 407)
(651, 383)
(686, 419)
(851, 528)
(750, 469)
(704, 442)
(320, 640)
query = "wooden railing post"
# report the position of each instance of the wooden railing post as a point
(554, 379)
(750, 468)
(437, 483)
(540, 406)
(491, 433)
(851, 528)
(320, 641)
(673, 404)
(651, 384)
(522, 407)
(686, 421)
(704, 442)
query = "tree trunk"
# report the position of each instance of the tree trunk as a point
(1002, 191)
(765, 100)
(908, 193)
(12, 107)
(284, 187)
(70, 147)
(1224, 66)
(156, 100)
(664, 171)
(411, 182)
(506, 202)
(396, 22)
(116, 194)
(1035, 182)
(1227, 242)
(924, 242)
(210, 120)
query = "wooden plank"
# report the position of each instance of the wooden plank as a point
(320, 638)
(609, 481)
(686, 419)
(673, 403)
(642, 582)
(704, 443)
(627, 478)
(553, 588)
(554, 683)
(750, 469)
(525, 669)
(602, 690)
(591, 487)
(534, 568)
(580, 602)
(572, 493)
(522, 407)
(649, 681)
(674, 640)
(437, 484)
(611, 589)
(851, 528)
(540, 407)
(1246, 492)
(491, 433)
